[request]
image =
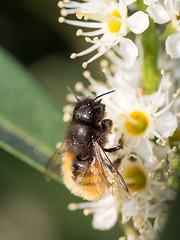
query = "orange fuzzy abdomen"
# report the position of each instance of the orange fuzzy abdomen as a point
(85, 185)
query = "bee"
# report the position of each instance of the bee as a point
(86, 169)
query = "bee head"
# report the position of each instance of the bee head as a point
(89, 111)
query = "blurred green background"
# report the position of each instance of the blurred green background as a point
(35, 70)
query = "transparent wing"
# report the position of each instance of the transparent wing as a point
(53, 166)
(108, 172)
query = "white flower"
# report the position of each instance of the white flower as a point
(160, 222)
(149, 2)
(139, 118)
(110, 21)
(147, 183)
(143, 164)
(149, 191)
(126, 68)
(105, 212)
(173, 45)
(158, 13)
(163, 12)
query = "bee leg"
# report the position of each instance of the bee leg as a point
(106, 125)
(120, 146)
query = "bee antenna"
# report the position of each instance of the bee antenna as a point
(103, 95)
(71, 91)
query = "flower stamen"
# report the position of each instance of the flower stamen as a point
(137, 123)
(135, 178)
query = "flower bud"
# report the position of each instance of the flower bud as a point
(175, 165)
(174, 183)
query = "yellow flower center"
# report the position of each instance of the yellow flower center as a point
(137, 123)
(135, 179)
(178, 16)
(114, 25)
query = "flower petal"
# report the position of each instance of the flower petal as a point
(173, 45)
(166, 124)
(149, 2)
(105, 220)
(158, 13)
(129, 210)
(160, 221)
(128, 50)
(138, 22)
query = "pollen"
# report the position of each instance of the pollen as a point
(73, 56)
(79, 15)
(136, 179)
(114, 25)
(137, 123)
(84, 65)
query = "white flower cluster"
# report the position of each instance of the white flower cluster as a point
(167, 11)
(145, 122)
(109, 20)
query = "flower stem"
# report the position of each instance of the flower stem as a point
(150, 72)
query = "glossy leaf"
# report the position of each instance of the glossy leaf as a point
(30, 119)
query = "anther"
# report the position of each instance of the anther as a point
(64, 12)
(79, 32)
(170, 171)
(79, 15)
(113, 68)
(61, 19)
(138, 208)
(163, 188)
(91, 88)
(86, 212)
(60, 4)
(154, 160)
(174, 149)
(84, 65)
(67, 108)
(79, 86)
(95, 39)
(163, 162)
(73, 56)
(86, 74)
(70, 97)
(149, 198)
(151, 175)
(122, 238)
(72, 206)
(135, 194)
(104, 63)
(66, 117)
(164, 143)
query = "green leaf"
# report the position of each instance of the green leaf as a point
(30, 119)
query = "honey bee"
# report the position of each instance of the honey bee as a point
(86, 169)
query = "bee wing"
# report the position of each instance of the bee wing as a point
(109, 173)
(53, 166)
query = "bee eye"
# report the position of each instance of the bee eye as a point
(95, 109)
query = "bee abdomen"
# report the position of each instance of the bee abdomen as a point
(82, 183)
